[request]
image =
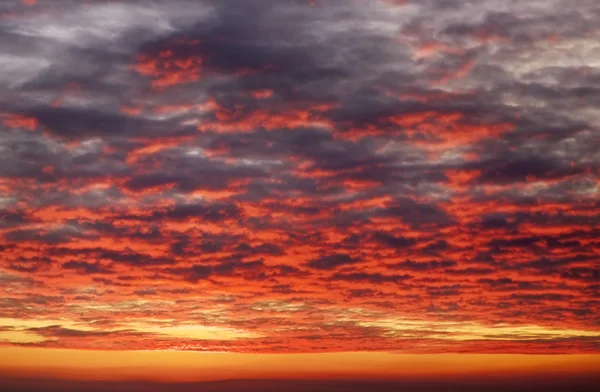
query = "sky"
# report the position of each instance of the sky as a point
(397, 183)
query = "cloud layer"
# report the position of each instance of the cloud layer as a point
(299, 176)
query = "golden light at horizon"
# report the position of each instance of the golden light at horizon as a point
(198, 366)
(25, 330)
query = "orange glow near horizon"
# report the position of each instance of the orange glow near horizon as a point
(179, 366)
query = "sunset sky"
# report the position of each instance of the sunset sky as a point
(196, 190)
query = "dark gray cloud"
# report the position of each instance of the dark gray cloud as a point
(332, 261)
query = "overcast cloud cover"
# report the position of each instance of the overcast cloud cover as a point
(300, 176)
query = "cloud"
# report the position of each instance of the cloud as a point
(292, 176)
(332, 261)
(370, 278)
(86, 268)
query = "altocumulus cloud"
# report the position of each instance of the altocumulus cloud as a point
(266, 175)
